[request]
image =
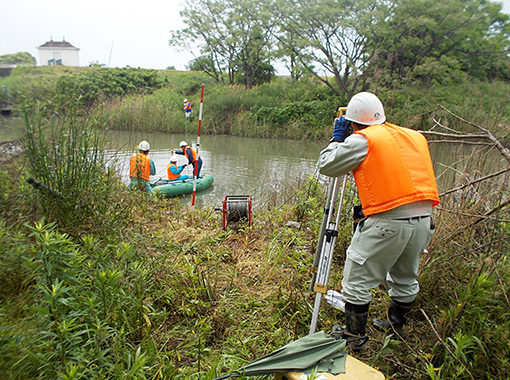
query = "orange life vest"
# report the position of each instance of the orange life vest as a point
(140, 166)
(193, 152)
(396, 171)
(172, 176)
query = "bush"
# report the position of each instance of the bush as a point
(100, 84)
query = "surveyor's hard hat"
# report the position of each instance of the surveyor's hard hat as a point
(144, 146)
(173, 158)
(185, 100)
(365, 108)
(183, 143)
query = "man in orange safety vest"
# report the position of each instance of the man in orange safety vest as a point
(187, 109)
(141, 167)
(396, 184)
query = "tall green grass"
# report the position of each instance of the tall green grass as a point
(64, 153)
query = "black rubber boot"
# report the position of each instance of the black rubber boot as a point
(355, 326)
(397, 312)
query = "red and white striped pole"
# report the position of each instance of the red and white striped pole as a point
(198, 145)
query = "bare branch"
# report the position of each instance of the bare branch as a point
(475, 181)
(504, 151)
(444, 344)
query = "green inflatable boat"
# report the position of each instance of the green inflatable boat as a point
(180, 187)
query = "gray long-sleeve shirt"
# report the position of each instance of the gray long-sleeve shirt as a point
(341, 158)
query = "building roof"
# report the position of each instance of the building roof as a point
(57, 44)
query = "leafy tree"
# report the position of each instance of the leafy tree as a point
(330, 38)
(262, 73)
(439, 41)
(233, 35)
(286, 52)
(204, 32)
(21, 58)
(202, 63)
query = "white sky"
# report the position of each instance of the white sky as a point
(117, 33)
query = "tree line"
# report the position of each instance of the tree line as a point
(348, 45)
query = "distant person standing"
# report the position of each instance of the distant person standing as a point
(141, 167)
(192, 156)
(174, 171)
(187, 110)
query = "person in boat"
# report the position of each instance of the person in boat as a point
(187, 110)
(192, 156)
(141, 167)
(396, 184)
(174, 171)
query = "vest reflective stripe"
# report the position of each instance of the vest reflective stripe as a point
(187, 106)
(193, 152)
(140, 166)
(171, 175)
(396, 171)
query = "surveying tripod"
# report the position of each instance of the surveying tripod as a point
(326, 242)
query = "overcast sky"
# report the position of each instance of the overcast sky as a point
(117, 33)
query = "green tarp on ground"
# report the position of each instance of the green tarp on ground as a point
(317, 352)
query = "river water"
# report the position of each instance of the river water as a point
(270, 170)
(267, 169)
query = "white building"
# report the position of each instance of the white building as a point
(58, 53)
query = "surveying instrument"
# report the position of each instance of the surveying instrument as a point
(326, 242)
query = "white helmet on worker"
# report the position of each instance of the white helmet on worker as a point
(185, 100)
(183, 143)
(365, 108)
(144, 146)
(173, 158)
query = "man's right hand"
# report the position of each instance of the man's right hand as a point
(342, 129)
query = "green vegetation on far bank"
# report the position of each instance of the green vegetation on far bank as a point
(150, 100)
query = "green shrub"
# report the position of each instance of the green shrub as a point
(101, 84)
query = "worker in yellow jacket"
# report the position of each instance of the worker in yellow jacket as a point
(395, 179)
(141, 167)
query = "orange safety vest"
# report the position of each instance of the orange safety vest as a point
(140, 166)
(172, 176)
(193, 152)
(187, 106)
(396, 171)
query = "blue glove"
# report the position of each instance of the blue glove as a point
(342, 129)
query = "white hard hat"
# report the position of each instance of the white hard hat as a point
(185, 100)
(173, 158)
(183, 143)
(144, 146)
(365, 108)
